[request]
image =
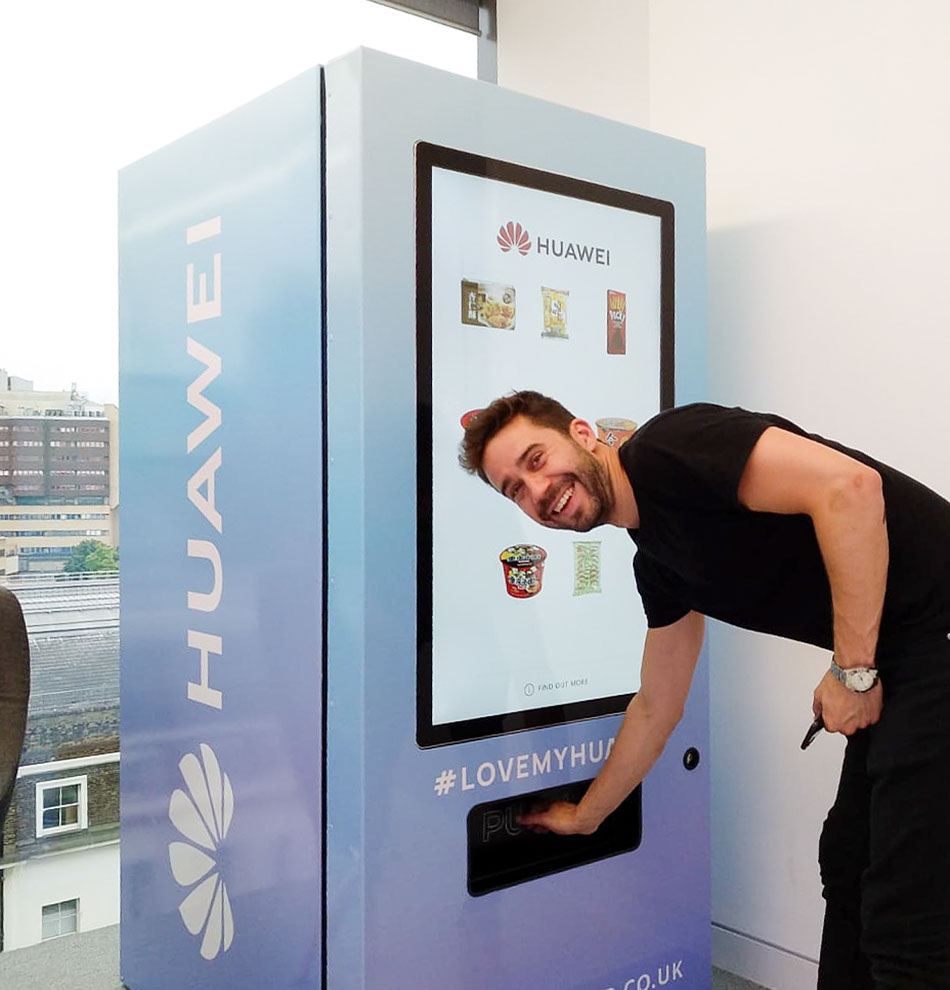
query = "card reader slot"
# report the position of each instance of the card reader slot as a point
(502, 853)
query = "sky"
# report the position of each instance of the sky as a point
(88, 88)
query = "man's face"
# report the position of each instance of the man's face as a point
(555, 479)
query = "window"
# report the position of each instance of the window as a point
(60, 919)
(60, 804)
(300, 35)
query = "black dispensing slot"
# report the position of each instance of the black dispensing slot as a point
(502, 853)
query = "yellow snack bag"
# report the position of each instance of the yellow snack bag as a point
(555, 312)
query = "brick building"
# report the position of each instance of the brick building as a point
(58, 475)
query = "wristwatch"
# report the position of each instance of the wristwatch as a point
(858, 679)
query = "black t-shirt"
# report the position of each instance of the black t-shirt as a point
(699, 549)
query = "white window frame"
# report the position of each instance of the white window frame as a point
(47, 785)
(59, 904)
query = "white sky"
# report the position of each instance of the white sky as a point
(86, 88)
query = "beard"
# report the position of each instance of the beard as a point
(591, 475)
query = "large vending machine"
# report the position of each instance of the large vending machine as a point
(348, 665)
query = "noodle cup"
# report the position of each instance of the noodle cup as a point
(469, 417)
(615, 432)
(523, 565)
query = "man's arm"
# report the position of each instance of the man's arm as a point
(669, 659)
(788, 473)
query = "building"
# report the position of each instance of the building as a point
(59, 868)
(58, 475)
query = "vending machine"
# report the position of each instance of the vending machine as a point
(348, 664)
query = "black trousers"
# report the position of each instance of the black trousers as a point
(885, 846)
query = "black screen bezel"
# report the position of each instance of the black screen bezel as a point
(428, 157)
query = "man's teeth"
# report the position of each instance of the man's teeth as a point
(563, 500)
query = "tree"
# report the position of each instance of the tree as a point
(92, 555)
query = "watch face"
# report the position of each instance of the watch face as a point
(860, 680)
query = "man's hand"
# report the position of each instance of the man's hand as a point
(844, 710)
(560, 817)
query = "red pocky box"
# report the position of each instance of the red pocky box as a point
(616, 322)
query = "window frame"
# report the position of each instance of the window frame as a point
(82, 781)
(461, 14)
(58, 904)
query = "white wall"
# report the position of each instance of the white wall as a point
(827, 156)
(591, 56)
(827, 162)
(91, 875)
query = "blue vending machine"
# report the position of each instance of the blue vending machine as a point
(348, 665)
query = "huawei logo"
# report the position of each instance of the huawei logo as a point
(202, 815)
(513, 235)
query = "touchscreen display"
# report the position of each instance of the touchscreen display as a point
(528, 280)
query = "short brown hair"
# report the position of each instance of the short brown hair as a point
(486, 423)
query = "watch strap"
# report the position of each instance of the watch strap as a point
(858, 679)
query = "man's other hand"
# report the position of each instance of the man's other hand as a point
(561, 817)
(844, 710)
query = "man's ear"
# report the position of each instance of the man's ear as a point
(583, 433)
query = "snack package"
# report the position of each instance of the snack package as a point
(468, 418)
(524, 567)
(587, 568)
(555, 312)
(616, 322)
(615, 432)
(488, 304)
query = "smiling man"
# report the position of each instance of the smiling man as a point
(746, 518)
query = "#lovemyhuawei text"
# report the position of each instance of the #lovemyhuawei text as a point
(523, 766)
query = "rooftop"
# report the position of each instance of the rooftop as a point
(73, 627)
(73, 671)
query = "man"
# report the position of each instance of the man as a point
(745, 518)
